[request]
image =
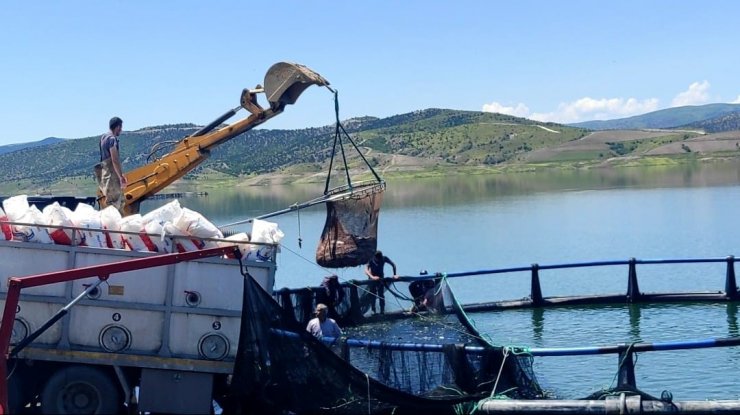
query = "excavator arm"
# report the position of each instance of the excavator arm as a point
(284, 83)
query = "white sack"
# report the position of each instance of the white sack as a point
(162, 214)
(15, 207)
(183, 243)
(138, 241)
(265, 232)
(30, 233)
(57, 215)
(85, 216)
(244, 246)
(193, 223)
(7, 230)
(110, 218)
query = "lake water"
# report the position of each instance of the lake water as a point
(469, 223)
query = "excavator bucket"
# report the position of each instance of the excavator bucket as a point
(284, 82)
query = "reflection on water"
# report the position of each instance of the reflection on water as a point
(472, 188)
(635, 314)
(693, 374)
(248, 201)
(688, 374)
(732, 328)
(538, 324)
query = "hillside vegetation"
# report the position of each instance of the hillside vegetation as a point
(723, 123)
(432, 141)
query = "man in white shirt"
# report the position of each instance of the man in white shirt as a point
(322, 326)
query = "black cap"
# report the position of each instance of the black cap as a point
(115, 122)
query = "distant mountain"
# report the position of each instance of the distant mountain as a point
(666, 118)
(723, 123)
(15, 147)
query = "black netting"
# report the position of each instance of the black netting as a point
(350, 235)
(350, 304)
(282, 368)
(520, 367)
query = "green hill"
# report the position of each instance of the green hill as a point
(431, 141)
(443, 136)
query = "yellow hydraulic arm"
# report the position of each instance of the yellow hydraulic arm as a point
(284, 83)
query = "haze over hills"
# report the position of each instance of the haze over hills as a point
(15, 147)
(666, 118)
(414, 143)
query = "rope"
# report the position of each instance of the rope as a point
(621, 362)
(300, 240)
(338, 131)
(485, 338)
(500, 370)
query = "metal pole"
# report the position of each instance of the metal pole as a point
(536, 289)
(633, 288)
(11, 306)
(626, 378)
(611, 405)
(730, 282)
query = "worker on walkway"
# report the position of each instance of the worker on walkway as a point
(374, 271)
(331, 294)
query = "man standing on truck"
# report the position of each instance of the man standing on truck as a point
(109, 172)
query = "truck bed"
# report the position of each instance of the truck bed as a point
(184, 316)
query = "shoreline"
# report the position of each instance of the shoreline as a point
(85, 185)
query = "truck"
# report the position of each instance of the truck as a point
(97, 330)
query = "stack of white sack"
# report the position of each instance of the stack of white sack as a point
(169, 228)
(178, 229)
(262, 246)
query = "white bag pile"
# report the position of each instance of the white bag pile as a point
(169, 228)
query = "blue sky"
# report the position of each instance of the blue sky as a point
(66, 67)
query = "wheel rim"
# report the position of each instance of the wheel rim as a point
(79, 398)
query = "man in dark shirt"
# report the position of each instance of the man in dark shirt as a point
(331, 294)
(374, 271)
(109, 172)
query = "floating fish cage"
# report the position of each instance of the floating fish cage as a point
(453, 367)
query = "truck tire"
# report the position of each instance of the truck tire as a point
(80, 390)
